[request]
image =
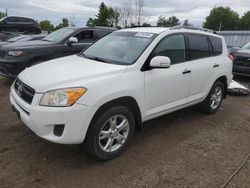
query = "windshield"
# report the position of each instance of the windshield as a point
(59, 35)
(246, 46)
(18, 38)
(120, 47)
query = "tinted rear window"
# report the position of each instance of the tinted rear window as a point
(100, 34)
(216, 45)
(199, 47)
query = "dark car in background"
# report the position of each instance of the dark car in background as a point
(21, 38)
(242, 60)
(14, 57)
(19, 24)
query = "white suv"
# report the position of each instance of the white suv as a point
(100, 96)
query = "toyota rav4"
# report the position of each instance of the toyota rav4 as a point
(100, 96)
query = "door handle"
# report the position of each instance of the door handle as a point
(186, 71)
(216, 65)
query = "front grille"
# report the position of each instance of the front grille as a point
(25, 92)
(2, 53)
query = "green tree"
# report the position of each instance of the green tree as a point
(146, 25)
(46, 25)
(106, 16)
(186, 23)
(161, 21)
(2, 14)
(65, 23)
(91, 22)
(223, 18)
(245, 21)
(170, 22)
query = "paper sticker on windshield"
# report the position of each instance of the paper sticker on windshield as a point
(144, 35)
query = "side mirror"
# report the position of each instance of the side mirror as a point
(72, 40)
(160, 62)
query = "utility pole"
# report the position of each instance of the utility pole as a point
(220, 25)
(6, 12)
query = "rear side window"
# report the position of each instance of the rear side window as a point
(199, 47)
(100, 34)
(216, 45)
(26, 20)
(172, 47)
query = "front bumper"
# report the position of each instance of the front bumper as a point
(240, 70)
(11, 67)
(42, 120)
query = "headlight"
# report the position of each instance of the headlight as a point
(15, 53)
(62, 97)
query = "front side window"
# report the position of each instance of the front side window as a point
(84, 36)
(199, 47)
(122, 48)
(172, 47)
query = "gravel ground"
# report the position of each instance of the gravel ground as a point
(182, 149)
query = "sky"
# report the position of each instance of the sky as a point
(79, 11)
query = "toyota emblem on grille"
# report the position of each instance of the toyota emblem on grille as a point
(19, 89)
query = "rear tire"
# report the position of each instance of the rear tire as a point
(214, 99)
(109, 134)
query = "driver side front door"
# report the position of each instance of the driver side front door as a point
(85, 39)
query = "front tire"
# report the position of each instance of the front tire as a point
(214, 99)
(110, 133)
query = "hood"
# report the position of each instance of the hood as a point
(26, 44)
(71, 71)
(3, 43)
(243, 53)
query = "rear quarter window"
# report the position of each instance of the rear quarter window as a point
(216, 45)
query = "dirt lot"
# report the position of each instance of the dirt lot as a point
(183, 149)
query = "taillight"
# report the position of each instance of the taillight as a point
(230, 56)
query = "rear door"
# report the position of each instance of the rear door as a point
(203, 69)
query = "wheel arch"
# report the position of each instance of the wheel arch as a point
(223, 79)
(126, 101)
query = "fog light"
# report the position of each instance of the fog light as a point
(58, 130)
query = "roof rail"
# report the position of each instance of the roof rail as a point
(193, 28)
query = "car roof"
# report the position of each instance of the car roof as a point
(155, 30)
(159, 30)
(101, 28)
(17, 17)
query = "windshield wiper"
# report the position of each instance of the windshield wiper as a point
(46, 40)
(95, 58)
